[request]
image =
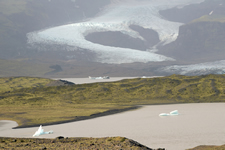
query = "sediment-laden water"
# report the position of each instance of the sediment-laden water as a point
(197, 124)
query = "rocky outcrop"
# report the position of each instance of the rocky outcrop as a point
(201, 39)
(116, 143)
(198, 42)
(116, 39)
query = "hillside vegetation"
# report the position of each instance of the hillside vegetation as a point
(205, 147)
(208, 18)
(15, 83)
(29, 105)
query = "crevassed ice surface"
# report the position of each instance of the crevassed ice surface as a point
(117, 17)
(217, 67)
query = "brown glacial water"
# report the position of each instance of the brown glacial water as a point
(197, 124)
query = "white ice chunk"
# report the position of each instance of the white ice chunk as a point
(172, 113)
(175, 112)
(40, 131)
(164, 114)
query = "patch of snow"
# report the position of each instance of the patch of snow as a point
(118, 17)
(211, 13)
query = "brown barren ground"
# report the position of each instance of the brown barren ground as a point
(116, 143)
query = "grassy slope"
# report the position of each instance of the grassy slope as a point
(29, 106)
(14, 83)
(208, 18)
(222, 147)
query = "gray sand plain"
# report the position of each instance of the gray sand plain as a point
(197, 124)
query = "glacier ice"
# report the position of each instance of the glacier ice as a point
(40, 131)
(216, 67)
(99, 78)
(172, 113)
(118, 17)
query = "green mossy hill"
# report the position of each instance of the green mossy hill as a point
(8, 84)
(205, 147)
(29, 106)
(210, 18)
(115, 143)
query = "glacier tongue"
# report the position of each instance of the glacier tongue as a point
(117, 17)
(216, 67)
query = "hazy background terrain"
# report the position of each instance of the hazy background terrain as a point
(199, 47)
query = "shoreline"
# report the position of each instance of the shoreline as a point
(81, 118)
(89, 81)
(102, 114)
(97, 115)
(189, 129)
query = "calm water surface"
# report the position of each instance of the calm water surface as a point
(197, 124)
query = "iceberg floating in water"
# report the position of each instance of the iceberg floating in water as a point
(40, 131)
(172, 113)
(164, 114)
(175, 112)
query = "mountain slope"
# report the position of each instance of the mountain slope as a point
(199, 41)
(191, 12)
(23, 68)
(118, 31)
(18, 17)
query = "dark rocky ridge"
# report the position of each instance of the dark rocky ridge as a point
(118, 39)
(151, 36)
(198, 42)
(201, 39)
(193, 11)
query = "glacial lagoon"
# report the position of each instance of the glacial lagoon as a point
(196, 124)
